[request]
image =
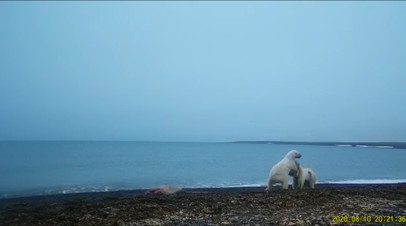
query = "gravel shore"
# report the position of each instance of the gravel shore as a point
(223, 206)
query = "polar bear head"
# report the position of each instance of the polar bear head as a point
(293, 155)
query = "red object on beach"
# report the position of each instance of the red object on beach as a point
(154, 191)
(164, 190)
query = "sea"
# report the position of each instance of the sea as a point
(32, 168)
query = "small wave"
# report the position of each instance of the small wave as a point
(382, 146)
(372, 146)
(366, 181)
(62, 190)
(225, 185)
(343, 145)
(362, 146)
(242, 185)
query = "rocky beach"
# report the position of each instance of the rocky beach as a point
(327, 204)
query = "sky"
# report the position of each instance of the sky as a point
(203, 71)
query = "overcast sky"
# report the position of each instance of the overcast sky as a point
(203, 71)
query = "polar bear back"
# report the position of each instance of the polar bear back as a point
(309, 177)
(311, 174)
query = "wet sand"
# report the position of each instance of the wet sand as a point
(215, 206)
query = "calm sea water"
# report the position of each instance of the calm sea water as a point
(38, 168)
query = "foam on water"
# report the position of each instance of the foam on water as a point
(343, 145)
(369, 146)
(367, 181)
(382, 146)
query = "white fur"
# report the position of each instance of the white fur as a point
(279, 172)
(304, 176)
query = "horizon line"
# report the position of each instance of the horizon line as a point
(163, 141)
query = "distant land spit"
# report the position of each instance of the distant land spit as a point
(399, 145)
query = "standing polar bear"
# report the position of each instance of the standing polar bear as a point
(304, 177)
(279, 172)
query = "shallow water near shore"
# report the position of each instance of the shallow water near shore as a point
(39, 168)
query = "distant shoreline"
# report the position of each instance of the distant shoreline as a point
(398, 145)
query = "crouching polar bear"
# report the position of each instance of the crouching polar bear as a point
(279, 172)
(303, 177)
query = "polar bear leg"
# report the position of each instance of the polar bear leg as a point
(285, 183)
(312, 179)
(269, 185)
(301, 179)
(296, 183)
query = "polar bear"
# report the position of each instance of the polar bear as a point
(279, 172)
(304, 177)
